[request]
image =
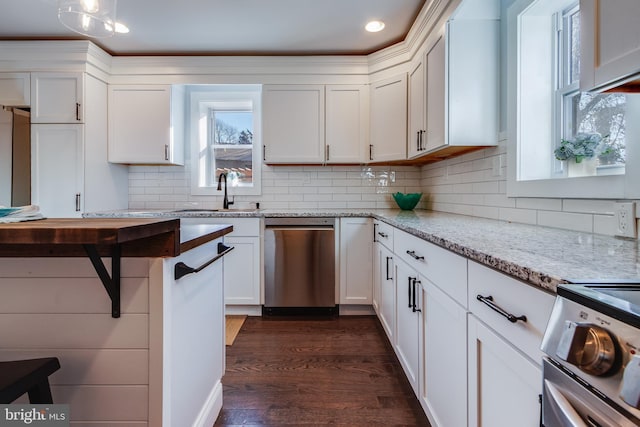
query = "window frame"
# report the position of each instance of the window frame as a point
(202, 100)
(592, 187)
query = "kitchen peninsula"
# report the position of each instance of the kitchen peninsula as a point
(106, 298)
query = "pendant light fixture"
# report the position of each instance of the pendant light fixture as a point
(93, 18)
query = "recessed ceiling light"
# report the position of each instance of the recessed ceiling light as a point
(374, 26)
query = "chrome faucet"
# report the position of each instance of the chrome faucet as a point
(225, 201)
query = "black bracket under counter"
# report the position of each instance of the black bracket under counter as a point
(110, 283)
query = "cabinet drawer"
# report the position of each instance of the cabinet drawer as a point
(444, 269)
(516, 298)
(246, 227)
(383, 234)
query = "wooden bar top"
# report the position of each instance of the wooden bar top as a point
(136, 237)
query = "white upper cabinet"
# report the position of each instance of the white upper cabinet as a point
(389, 119)
(610, 43)
(142, 129)
(293, 123)
(15, 89)
(434, 132)
(417, 104)
(347, 123)
(57, 97)
(57, 169)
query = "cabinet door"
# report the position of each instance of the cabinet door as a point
(57, 98)
(293, 123)
(444, 344)
(242, 271)
(387, 312)
(15, 89)
(436, 91)
(356, 242)
(610, 42)
(57, 169)
(377, 268)
(139, 124)
(409, 326)
(504, 386)
(415, 137)
(347, 124)
(389, 119)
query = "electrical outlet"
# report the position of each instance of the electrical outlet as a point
(626, 219)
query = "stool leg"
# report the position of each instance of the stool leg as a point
(40, 393)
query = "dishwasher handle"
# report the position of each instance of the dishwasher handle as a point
(181, 269)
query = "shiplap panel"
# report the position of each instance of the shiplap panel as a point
(82, 331)
(70, 295)
(68, 267)
(91, 367)
(104, 403)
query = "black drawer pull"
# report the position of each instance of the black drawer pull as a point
(414, 256)
(510, 317)
(388, 258)
(383, 235)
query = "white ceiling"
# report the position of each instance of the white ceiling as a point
(202, 27)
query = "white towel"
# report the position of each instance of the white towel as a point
(20, 213)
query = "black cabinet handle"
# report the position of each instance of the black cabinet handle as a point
(415, 282)
(411, 279)
(370, 151)
(510, 317)
(77, 202)
(383, 235)
(77, 111)
(414, 256)
(264, 153)
(388, 258)
(182, 269)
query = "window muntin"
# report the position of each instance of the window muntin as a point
(231, 146)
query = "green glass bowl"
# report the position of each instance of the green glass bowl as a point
(408, 201)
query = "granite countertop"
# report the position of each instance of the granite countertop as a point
(540, 256)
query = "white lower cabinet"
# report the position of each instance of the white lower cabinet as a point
(504, 385)
(387, 295)
(409, 326)
(242, 271)
(356, 261)
(443, 392)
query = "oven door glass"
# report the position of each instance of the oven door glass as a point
(566, 403)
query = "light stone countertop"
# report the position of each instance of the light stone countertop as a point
(541, 256)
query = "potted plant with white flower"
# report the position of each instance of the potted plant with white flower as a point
(580, 153)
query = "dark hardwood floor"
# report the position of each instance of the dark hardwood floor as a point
(315, 372)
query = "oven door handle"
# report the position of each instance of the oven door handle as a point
(562, 407)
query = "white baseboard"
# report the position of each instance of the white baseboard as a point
(356, 310)
(211, 409)
(247, 310)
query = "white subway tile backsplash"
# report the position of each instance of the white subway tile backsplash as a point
(589, 206)
(544, 204)
(566, 220)
(523, 216)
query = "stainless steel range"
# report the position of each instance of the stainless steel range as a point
(592, 372)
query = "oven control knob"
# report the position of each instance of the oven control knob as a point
(589, 347)
(630, 392)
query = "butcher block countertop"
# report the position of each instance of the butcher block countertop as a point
(136, 237)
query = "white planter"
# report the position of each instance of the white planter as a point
(587, 167)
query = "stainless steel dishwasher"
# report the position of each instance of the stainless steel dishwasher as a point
(299, 266)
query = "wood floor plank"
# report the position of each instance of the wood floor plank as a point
(315, 372)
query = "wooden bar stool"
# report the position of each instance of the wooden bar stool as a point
(18, 377)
